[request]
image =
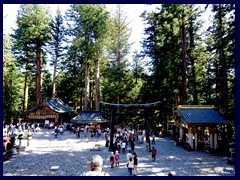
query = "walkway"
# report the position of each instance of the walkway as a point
(72, 154)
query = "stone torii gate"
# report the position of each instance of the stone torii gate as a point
(113, 113)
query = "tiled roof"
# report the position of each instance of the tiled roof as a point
(88, 117)
(56, 105)
(201, 115)
(32, 108)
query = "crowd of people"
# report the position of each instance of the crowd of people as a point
(124, 142)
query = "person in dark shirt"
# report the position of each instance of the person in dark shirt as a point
(135, 164)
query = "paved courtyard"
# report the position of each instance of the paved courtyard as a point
(72, 156)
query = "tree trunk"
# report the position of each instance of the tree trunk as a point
(86, 98)
(81, 102)
(223, 64)
(38, 75)
(97, 86)
(97, 78)
(92, 95)
(26, 90)
(119, 78)
(54, 78)
(184, 63)
(194, 86)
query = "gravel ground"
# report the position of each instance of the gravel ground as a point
(72, 154)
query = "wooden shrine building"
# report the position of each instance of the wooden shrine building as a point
(197, 126)
(50, 109)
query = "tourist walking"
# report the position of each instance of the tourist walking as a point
(135, 164)
(129, 154)
(61, 130)
(107, 142)
(123, 146)
(55, 131)
(78, 132)
(132, 146)
(119, 147)
(154, 152)
(153, 139)
(116, 159)
(112, 160)
(139, 138)
(130, 165)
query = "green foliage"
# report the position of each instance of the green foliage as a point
(34, 20)
(65, 82)
(46, 84)
(58, 38)
(117, 82)
(205, 70)
(12, 84)
(30, 36)
(222, 44)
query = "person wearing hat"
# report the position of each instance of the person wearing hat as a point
(96, 167)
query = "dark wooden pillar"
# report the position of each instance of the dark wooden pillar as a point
(111, 147)
(146, 114)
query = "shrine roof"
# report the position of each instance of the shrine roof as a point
(55, 104)
(88, 117)
(201, 114)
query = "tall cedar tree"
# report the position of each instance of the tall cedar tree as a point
(57, 45)
(23, 50)
(222, 31)
(93, 20)
(34, 19)
(12, 84)
(118, 49)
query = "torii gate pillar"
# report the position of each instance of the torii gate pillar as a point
(111, 146)
(146, 114)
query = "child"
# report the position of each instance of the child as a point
(117, 159)
(154, 152)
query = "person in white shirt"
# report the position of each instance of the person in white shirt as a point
(61, 130)
(123, 147)
(130, 165)
(129, 154)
